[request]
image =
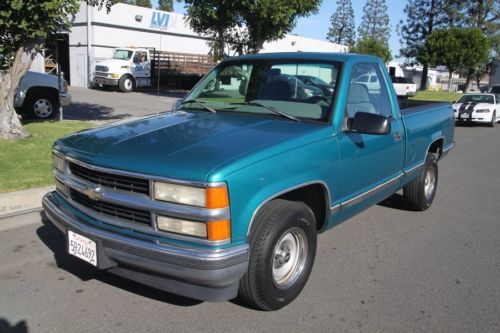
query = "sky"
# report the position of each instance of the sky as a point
(316, 26)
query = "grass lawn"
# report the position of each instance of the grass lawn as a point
(28, 163)
(444, 96)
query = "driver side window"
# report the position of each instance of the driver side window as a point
(367, 93)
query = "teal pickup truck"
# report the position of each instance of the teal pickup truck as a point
(224, 195)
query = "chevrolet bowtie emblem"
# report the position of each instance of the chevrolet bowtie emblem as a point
(93, 193)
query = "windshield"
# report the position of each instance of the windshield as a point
(477, 99)
(122, 54)
(238, 86)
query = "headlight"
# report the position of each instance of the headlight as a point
(211, 197)
(58, 163)
(64, 86)
(198, 229)
(308, 92)
(212, 230)
(483, 111)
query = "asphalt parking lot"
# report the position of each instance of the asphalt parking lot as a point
(385, 270)
(102, 106)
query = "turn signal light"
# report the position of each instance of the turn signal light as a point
(218, 230)
(217, 197)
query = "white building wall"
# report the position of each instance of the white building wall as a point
(294, 43)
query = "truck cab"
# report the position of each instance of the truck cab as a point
(128, 69)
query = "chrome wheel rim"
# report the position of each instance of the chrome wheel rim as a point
(430, 182)
(289, 257)
(128, 84)
(42, 108)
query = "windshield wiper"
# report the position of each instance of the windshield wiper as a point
(270, 108)
(206, 107)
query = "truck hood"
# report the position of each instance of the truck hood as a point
(471, 106)
(113, 64)
(183, 145)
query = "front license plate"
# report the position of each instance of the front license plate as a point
(82, 247)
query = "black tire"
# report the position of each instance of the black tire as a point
(126, 84)
(41, 104)
(416, 195)
(493, 117)
(276, 276)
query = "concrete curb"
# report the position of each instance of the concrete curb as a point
(22, 202)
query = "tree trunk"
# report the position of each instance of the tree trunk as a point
(470, 74)
(450, 77)
(423, 81)
(10, 126)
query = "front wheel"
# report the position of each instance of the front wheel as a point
(283, 248)
(126, 84)
(493, 119)
(41, 105)
(419, 193)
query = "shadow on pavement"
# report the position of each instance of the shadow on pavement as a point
(395, 201)
(52, 237)
(20, 327)
(164, 93)
(87, 111)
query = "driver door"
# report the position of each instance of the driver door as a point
(370, 164)
(141, 65)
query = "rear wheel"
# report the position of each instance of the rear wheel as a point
(283, 248)
(420, 193)
(126, 84)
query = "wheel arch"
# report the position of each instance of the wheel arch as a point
(436, 147)
(314, 194)
(37, 89)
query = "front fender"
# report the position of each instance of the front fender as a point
(256, 184)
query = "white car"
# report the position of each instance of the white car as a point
(480, 108)
(404, 87)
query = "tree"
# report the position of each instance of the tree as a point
(143, 3)
(263, 20)
(372, 46)
(214, 19)
(443, 48)
(422, 17)
(484, 15)
(140, 3)
(342, 24)
(268, 20)
(24, 25)
(166, 5)
(375, 21)
(456, 48)
(481, 72)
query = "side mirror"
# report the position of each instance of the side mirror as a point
(369, 123)
(177, 105)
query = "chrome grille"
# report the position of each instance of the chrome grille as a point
(105, 208)
(100, 74)
(118, 182)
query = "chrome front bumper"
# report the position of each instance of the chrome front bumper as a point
(105, 81)
(210, 275)
(65, 98)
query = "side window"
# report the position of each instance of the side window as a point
(366, 93)
(139, 57)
